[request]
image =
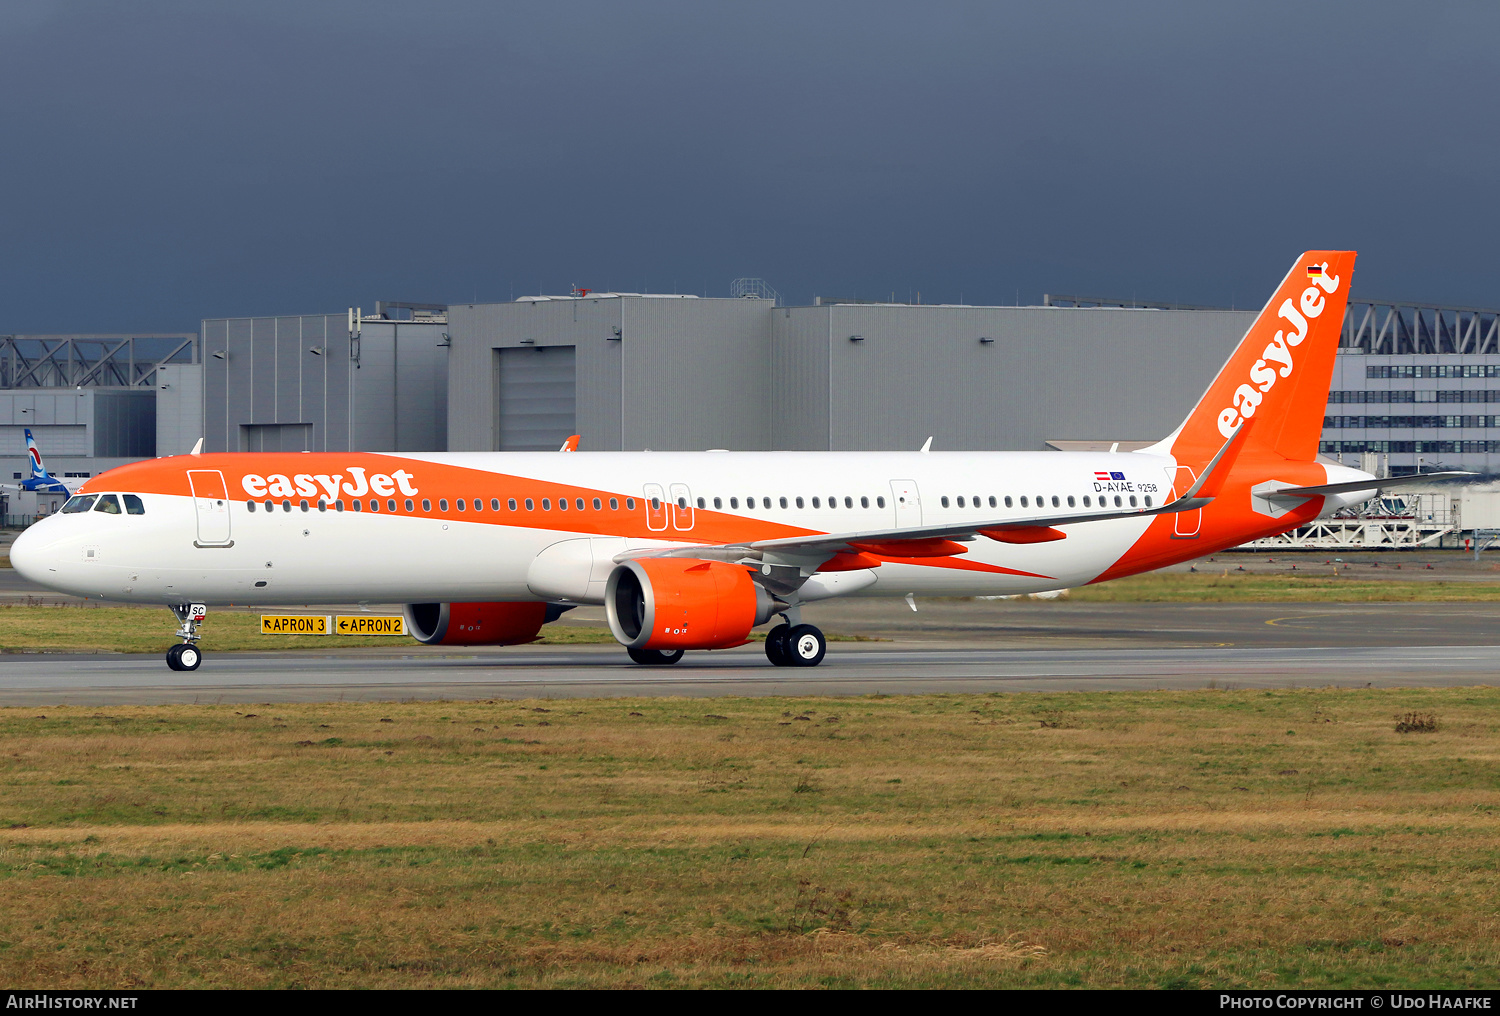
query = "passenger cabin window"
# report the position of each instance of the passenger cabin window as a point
(1007, 501)
(249, 506)
(270, 507)
(799, 502)
(286, 506)
(815, 503)
(79, 503)
(993, 503)
(338, 505)
(734, 502)
(1132, 500)
(630, 504)
(783, 502)
(546, 504)
(1070, 501)
(597, 504)
(442, 504)
(1023, 500)
(461, 505)
(944, 500)
(960, 500)
(848, 501)
(614, 504)
(356, 505)
(322, 505)
(374, 505)
(1148, 500)
(864, 502)
(718, 503)
(702, 503)
(1085, 500)
(108, 504)
(880, 502)
(578, 503)
(510, 503)
(390, 505)
(530, 505)
(1055, 502)
(304, 504)
(562, 504)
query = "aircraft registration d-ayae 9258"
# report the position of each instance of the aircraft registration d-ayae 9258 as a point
(694, 550)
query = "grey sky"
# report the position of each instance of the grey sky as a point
(163, 162)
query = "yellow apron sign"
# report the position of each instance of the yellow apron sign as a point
(370, 624)
(295, 624)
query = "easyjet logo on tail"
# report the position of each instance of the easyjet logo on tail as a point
(1277, 360)
(308, 484)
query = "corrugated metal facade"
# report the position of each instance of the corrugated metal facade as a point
(689, 373)
(650, 372)
(273, 380)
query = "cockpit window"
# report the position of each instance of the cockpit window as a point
(108, 504)
(79, 503)
(133, 505)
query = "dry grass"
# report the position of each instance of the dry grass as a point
(1208, 838)
(1225, 585)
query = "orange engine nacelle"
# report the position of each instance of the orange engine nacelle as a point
(478, 624)
(683, 603)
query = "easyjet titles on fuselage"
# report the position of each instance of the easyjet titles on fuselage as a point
(307, 484)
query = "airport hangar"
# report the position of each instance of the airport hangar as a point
(1412, 386)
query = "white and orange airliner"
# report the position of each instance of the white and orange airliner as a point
(693, 550)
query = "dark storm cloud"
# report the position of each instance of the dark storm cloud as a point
(164, 162)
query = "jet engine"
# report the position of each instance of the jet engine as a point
(478, 624)
(672, 603)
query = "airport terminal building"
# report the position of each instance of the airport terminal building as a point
(1415, 387)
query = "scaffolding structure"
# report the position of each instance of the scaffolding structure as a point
(1392, 523)
(123, 360)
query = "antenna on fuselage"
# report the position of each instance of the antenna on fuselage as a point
(197, 448)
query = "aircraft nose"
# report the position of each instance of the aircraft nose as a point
(26, 557)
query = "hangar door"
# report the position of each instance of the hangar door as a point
(535, 398)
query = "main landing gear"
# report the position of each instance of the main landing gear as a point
(795, 645)
(186, 655)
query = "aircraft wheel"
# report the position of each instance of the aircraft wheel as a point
(655, 657)
(173, 655)
(806, 646)
(776, 645)
(188, 657)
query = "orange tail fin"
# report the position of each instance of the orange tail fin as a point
(1280, 373)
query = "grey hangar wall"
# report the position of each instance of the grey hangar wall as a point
(686, 373)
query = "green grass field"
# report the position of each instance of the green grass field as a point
(1194, 839)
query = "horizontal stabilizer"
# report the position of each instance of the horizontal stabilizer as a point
(1354, 485)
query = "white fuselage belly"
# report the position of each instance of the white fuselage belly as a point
(312, 556)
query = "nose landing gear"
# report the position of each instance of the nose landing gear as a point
(186, 655)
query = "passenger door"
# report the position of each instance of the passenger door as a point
(1185, 525)
(907, 502)
(211, 502)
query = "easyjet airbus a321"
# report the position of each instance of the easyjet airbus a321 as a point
(693, 550)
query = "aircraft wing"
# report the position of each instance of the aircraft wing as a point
(939, 540)
(917, 541)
